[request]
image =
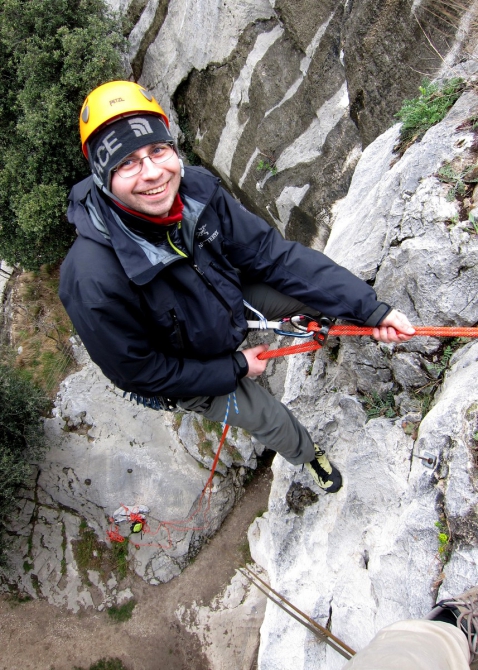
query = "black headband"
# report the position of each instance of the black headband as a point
(109, 146)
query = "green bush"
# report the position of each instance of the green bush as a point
(430, 107)
(52, 54)
(120, 613)
(106, 664)
(21, 437)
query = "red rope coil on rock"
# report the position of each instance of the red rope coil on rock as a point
(202, 507)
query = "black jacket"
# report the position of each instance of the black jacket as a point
(157, 323)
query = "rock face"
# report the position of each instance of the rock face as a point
(371, 554)
(107, 452)
(279, 97)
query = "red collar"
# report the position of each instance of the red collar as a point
(175, 213)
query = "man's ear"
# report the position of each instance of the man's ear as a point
(182, 166)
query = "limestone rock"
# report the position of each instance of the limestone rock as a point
(369, 555)
(105, 452)
(228, 627)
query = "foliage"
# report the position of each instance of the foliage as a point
(42, 329)
(430, 107)
(52, 53)
(21, 436)
(106, 664)
(120, 613)
(267, 165)
(119, 556)
(444, 540)
(474, 222)
(459, 180)
(443, 362)
(376, 406)
(187, 140)
(436, 371)
(92, 554)
(245, 552)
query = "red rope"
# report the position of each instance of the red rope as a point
(312, 345)
(115, 536)
(203, 506)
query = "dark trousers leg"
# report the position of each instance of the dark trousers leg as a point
(273, 304)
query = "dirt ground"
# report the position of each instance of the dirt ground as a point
(37, 636)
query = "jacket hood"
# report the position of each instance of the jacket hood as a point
(96, 220)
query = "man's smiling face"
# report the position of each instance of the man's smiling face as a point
(153, 190)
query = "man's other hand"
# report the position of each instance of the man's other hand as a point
(394, 328)
(256, 366)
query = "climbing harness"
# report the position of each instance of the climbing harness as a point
(322, 633)
(318, 331)
(298, 323)
(157, 402)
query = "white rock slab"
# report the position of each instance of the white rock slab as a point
(228, 627)
(105, 452)
(368, 556)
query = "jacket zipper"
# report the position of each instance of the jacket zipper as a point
(177, 328)
(218, 295)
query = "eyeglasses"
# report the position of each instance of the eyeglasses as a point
(130, 167)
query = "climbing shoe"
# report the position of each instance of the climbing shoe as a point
(324, 474)
(461, 612)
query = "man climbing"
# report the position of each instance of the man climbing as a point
(164, 258)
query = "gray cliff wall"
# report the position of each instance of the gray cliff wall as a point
(301, 85)
(311, 90)
(370, 555)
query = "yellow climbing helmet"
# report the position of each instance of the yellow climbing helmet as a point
(112, 100)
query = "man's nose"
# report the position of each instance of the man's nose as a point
(149, 168)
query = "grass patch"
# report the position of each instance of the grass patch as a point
(105, 664)
(460, 181)
(443, 361)
(177, 420)
(429, 108)
(267, 165)
(17, 598)
(245, 552)
(41, 330)
(121, 613)
(119, 553)
(233, 452)
(27, 566)
(205, 444)
(92, 554)
(436, 369)
(212, 427)
(187, 141)
(444, 540)
(376, 406)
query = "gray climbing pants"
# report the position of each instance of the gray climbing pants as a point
(267, 419)
(416, 644)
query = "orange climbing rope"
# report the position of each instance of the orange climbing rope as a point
(337, 331)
